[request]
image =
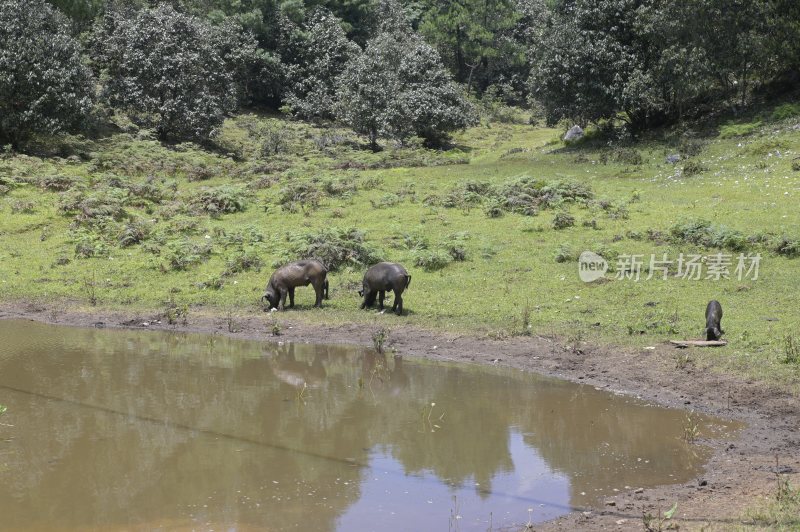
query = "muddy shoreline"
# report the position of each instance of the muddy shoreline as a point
(740, 474)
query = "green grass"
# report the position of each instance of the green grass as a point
(781, 512)
(146, 226)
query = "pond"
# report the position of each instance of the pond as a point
(123, 429)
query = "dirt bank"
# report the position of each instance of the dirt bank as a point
(740, 473)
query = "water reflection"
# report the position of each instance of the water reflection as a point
(123, 429)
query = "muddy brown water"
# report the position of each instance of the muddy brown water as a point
(140, 430)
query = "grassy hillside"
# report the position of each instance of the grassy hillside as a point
(489, 230)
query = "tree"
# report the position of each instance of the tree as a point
(326, 52)
(398, 87)
(482, 41)
(257, 73)
(44, 85)
(168, 71)
(80, 12)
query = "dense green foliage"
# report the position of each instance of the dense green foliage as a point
(152, 72)
(398, 88)
(394, 69)
(315, 79)
(44, 85)
(655, 61)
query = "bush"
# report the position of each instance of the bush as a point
(335, 248)
(457, 252)
(56, 183)
(343, 188)
(95, 207)
(304, 195)
(787, 110)
(564, 253)
(22, 207)
(387, 200)
(693, 168)
(88, 244)
(220, 200)
(413, 241)
(244, 260)
(183, 254)
(786, 246)
(628, 156)
(273, 140)
(432, 260)
(44, 85)
(523, 195)
(731, 130)
(134, 232)
(690, 147)
(562, 220)
(703, 233)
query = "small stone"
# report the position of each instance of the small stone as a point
(639, 490)
(702, 482)
(611, 502)
(621, 521)
(673, 158)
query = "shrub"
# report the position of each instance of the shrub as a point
(95, 207)
(412, 241)
(343, 188)
(242, 261)
(564, 253)
(562, 220)
(387, 200)
(457, 252)
(335, 248)
(523, 195)
(703, 233)
(690, 147)
(273, 140)
(134, 232)
(628, 156)
(787, 110)
(88, 244)
(693, 168)
(183, 254)
(220, 200)
(786, 246)
(731, 130)
(56, 183)
(304, 195)
(432, 260)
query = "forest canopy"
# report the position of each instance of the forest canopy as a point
(390, 69)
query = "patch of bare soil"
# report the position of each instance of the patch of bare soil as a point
(740, 473)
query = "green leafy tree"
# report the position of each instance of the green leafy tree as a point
(398, 87)
(257, 73)
(44, 85)
(483, 42)
(81, 13)
(168, 71)
(314, 82)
